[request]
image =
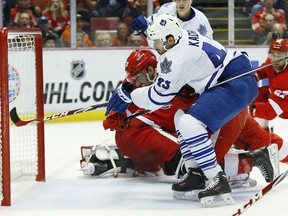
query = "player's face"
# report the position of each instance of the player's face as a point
(144, 78)
(183, 8)
(279, 66)
(158, 46)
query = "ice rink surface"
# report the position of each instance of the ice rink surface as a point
(67, 192)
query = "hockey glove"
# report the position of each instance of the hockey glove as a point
(252, 109)
(114, 121)
(121, 99)
(139, 25)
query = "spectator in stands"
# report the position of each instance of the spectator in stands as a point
(57, 15)
(80, 39)
(269, 21)
(43, 24)
(278, 4)
(22, 6)
(122, 37)
(49, 41)
(258, 23)
(36, 9)
(6, 5)
(22, 20)
(113, 8)
(67, 34)
(277, 31)
(140, 8)
(87, 9)
(137, 41)
(103, 39)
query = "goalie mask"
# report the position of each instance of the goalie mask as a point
(163, 26)
(137, 65)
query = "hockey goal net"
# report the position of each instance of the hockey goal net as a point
(21, 86)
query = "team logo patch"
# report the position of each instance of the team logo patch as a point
(163, 22)
(202, 29)
(78, 69)
(166, 66)
(14, 83)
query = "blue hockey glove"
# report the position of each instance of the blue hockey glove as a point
(139, 25)
(121, 99)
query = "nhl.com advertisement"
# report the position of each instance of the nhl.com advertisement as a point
(81, 78)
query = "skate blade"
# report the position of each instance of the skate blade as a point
(186, 195)
(218, 200)
(274, 159)
(243, 184)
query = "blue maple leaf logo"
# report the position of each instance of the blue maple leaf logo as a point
(165, 66)
(163, 22)
(202, 30)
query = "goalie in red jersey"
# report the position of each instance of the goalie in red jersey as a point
(150, 143)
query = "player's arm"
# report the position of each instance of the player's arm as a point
(263, 73)
(139, 25)
(269, 110)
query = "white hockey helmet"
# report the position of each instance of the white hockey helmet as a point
(164, 25)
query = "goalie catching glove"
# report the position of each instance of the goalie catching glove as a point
(121, 99)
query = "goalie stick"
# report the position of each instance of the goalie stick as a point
(261, 193)
(18, 122)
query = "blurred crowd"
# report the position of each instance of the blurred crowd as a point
(268, 20)
(52, 17)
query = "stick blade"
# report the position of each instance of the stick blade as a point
(14, 117)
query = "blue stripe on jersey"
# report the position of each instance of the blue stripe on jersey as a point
(160, 95)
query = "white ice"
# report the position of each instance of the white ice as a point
(67, 192)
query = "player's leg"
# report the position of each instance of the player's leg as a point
(214, 108)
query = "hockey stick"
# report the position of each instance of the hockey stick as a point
(18, 122)
(251, 71)
(261, 193)
(220, 83)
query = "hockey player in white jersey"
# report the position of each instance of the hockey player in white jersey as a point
(186, 57)
(189, 18)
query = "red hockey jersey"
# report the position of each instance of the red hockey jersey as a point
(277, 102)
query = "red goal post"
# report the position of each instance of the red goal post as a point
(21, 86)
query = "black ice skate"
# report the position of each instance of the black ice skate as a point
(190, 185)
(266, 159)
(217, 192)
